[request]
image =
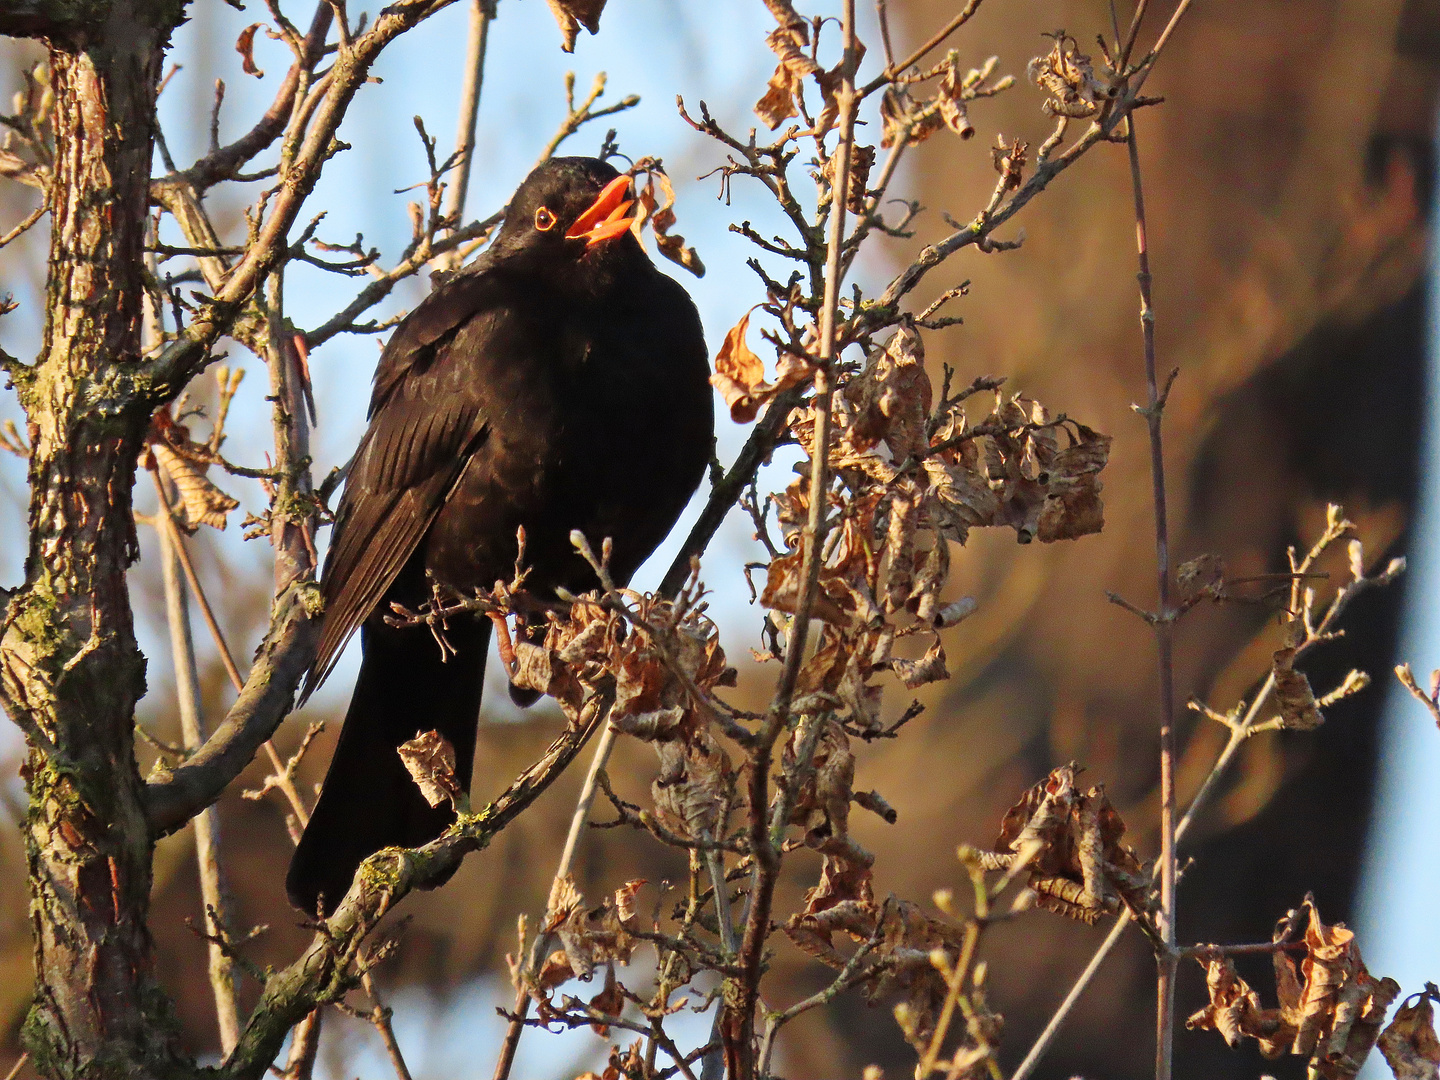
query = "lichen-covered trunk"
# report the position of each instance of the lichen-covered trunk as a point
(71, 668)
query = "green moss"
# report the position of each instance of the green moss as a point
(311, 598)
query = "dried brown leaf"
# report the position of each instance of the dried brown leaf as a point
(1235, 1011)
(610, 1001)
(928, 669)
(1409, 1043)
(1203, 575)
(740, 375)
(245, 46)
(1068, 78)
(570, 15)
(430, 760)
(201, 502)
(1298, 711)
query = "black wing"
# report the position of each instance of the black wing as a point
(426, 421)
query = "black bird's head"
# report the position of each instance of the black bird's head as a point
(572, 213)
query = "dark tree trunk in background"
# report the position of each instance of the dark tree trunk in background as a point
(71, 667)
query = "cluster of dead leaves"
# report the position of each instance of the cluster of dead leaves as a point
(661, 659)
(622, 1065)
(589, 937)
(1330, 1008)
(911, 481)
(1069, 844)
(793, 43)
(1068, 78)
(904, 119)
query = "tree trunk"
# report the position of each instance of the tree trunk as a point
(72, 671)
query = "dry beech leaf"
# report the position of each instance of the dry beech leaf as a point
(625, 899)
(573, 14)
(1203, 575)
(1409, 1043)
(589, 937)
(1066, 75)
(1330, 1008)
(245, 46)
(201, 502)
(1070, 842)
(788, 43)
(609, 1001)
(1298, 711)
(660, 214)
(740, 375)
(430, 760)
(928, 669)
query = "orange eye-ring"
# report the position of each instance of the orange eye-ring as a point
(544, 219)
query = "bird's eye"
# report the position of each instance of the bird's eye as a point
(544, 219)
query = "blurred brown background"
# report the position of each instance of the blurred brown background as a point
(1287, 178)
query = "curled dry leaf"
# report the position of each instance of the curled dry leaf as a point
(1330, 1008)
(1409, 1043)
(430, 760)
(245, 46)
(740, 374)
(928, 669)
(1069, 843)
(1204, 576)
(1298, 710)
(862, 160)
(589, 937)
(201, 502)
(610, 1001)
(1009, 161)
(785, 91)
(1068, 79)
(570, 15)
(659, 212)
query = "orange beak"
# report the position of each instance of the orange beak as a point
(605, 219)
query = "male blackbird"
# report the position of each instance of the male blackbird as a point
(558, 382)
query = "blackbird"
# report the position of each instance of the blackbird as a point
(558, 382)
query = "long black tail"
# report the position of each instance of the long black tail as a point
(369, 801)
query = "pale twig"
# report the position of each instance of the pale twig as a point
(1164, 636)
(304, 1044)
(25, 223)
(575, 118)
(739, 1013)
(567, 862)
(850, 975)
(284, 781)
(207, 825)
(1431, 701)
(481, 14)
(888, 75)
(380, 1017)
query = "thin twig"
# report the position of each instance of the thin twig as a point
(481, 14)
(380, 1017)
(1164, 637)
(283, 780)
(207, 825)
(578, 821)
(739, 1014)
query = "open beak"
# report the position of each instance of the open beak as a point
(605, 219)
